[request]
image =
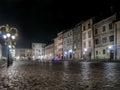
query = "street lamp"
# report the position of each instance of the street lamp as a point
(110, 47)
(4, 36)
(85, 49)
(9, 35)
(13, 37)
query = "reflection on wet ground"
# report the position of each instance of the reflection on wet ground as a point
(63, 75)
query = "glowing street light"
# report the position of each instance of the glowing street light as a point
(85, 49)
(110, 47)
(13, 37)
(8, 35)
(4, 36)
(65, 52)
(13, 46)
(9, 46)
(70, 50)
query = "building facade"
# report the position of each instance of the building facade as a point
(117, 40)
(38, 50)
(68, 44)
(60, 45)
(77, 42)
(23, 53)
(55, 46)
(104, 38)
(49, 52)
(87, 39)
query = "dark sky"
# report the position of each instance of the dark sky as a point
(41, 20)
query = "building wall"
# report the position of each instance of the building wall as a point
(68, 44)
(60, 44)
(49, 52)
(55, 46)
(38, 50)
(104, 47)
(100, 54)
(77, 42)
(117, 29)
(87, 39)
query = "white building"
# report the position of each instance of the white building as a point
(38, 50)
(68, 44)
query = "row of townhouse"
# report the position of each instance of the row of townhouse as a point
(87, 39)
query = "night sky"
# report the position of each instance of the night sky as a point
(41, 20)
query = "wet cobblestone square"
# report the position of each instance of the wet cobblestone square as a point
(61, 75)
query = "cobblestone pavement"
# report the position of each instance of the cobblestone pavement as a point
(3, 75)
(2, 63)
(62, 75)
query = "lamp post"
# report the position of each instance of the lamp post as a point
(9, 35)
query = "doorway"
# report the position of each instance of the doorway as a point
(111, 54)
